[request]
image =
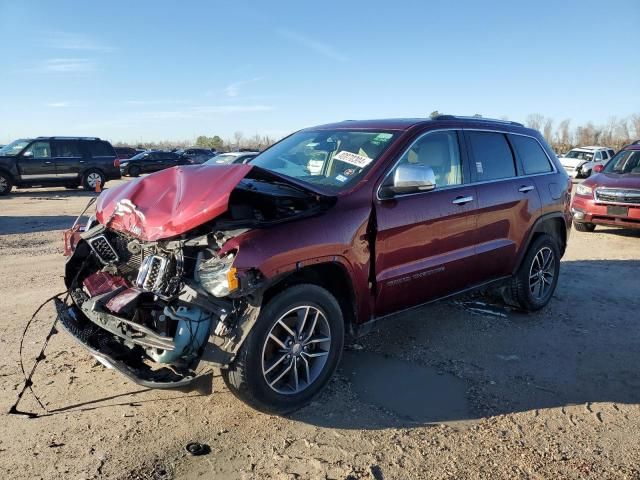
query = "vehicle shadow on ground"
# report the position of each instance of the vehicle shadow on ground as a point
(51, 194)
(464, 359)
(32, 224)
(623, 232)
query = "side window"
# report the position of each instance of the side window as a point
(492, 156)
(534, 159)
(39, 150)
(611, 153)
(440, 151)
(100, 149)
(67, 149)
(598, 156)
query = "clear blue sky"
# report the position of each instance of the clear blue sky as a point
(152, 70)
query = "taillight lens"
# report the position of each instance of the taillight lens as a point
(598, 168)
(116, 163)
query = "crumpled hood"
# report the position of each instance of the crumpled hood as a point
(614, 180)
(169, 202)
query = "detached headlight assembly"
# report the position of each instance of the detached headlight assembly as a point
(218, 276)
(584, 190)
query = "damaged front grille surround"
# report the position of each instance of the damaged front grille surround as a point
(103, 249)
(152, 272)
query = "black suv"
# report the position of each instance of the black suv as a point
(57, 161)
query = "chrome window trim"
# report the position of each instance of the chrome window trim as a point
(470, 184)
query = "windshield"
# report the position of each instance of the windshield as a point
(588, 156)
(224, 158)
(14, 148)
(326, 158)
(626, 161)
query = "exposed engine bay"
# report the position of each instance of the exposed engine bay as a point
(155, 309)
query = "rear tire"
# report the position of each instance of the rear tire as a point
(6, 184)
(91, 178)
(533, 285)
(584, 226)
(276, 372)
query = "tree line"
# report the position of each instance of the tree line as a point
(562, 136)
(237, 142)
(615, 133)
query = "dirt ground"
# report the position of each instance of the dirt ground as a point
(460, 389)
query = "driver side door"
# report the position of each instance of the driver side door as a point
(426, 242)
(36, 162)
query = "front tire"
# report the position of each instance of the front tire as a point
(90, 178)
(134, 171)
(291, 352)
(533, 285)
(584, 226)
(6, 184)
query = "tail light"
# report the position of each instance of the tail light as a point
(598, 168)
(116, 163)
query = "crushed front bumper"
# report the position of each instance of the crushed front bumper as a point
(69, 317)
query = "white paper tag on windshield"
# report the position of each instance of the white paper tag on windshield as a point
(353, 159)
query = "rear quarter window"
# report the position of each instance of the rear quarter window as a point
(101, 149)
(492, 157)
(534, 159)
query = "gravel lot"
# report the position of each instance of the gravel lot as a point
(460, 389)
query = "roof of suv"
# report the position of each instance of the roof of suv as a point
(68, 138)
(406, 123)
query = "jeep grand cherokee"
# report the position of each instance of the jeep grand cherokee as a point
(261, 269)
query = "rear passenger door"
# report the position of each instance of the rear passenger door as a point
(508, 202)
(69, 158)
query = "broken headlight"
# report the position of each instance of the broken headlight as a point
(218, 276)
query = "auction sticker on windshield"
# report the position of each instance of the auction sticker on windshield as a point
(353, 159)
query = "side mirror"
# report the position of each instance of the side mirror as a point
(598, 168)
(28, 154)
(410, 178)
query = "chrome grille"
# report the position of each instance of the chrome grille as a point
(152, 272)
(103, 249)
(618, 195)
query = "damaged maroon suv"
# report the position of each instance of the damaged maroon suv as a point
(262, 269)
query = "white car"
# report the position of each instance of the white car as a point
(579, 162)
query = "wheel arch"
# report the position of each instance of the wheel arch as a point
(553, 224)
(332, 276)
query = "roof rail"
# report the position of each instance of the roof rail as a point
(478, 119)
(69, 138)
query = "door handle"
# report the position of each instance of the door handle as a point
(81, 161)
(462, 200)
(526, 188)
(48, 163)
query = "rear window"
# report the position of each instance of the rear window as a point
(534, 160)
(67, 149)
(100, 149)
(492, 156)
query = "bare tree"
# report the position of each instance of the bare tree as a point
(238, 136)
(548, 130)
(635, 125)
(534, 121)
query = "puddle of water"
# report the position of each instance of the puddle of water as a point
(414, 392)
